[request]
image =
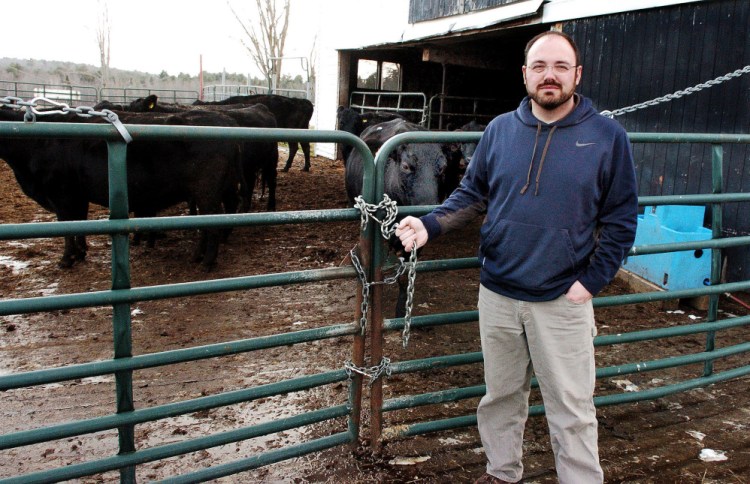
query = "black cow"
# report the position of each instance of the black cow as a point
(292, 113)
(258, 157)
(65, 175)
(351, 121)
(458, 156)
(413, 171)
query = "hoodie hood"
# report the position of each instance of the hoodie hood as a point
(581, 112)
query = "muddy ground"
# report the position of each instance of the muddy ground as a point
(647, 442)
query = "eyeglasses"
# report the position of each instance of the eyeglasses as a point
(560, 69)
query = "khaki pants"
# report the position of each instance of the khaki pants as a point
(557, 338)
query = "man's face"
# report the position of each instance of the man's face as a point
(551, 74)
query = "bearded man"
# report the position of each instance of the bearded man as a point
(557, 183)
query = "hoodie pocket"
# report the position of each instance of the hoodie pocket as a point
(527, 256)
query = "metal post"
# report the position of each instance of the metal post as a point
(358, 349)
(717, 180)
(122, 331)
(376, 351)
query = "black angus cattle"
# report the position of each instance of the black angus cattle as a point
(458, 156)
(351, 121)
(412, 175)
(292, 113)
(65, 175)
(413, 170)
(257, 157)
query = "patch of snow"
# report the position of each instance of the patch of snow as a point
(626, 385)
(15, 265)
(696, 435)
(408, 461)
(711, 455)
(49, 290)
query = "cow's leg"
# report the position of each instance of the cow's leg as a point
(306, 151)
(208, 242)
(74, 251)
(292, 154)
(247, 178)
(230, 201)
(269, 175)
(402, 293)
(75, 245)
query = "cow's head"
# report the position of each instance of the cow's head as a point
(415, 172)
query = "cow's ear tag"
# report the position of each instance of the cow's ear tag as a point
(151, 106)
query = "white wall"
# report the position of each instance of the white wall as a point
(349, 24)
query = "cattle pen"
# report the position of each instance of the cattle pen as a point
(336, 373)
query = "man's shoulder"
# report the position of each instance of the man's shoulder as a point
(605, 125)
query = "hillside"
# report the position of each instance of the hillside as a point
(61, 73)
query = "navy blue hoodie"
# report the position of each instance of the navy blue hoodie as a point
(561, 202)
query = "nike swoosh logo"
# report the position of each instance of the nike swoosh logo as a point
(580, 145)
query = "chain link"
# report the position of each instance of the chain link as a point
(32, 111)
(387, 229)
(387, 225)
(372, 372)
(678, 94)
(366, 285)
(409, 295)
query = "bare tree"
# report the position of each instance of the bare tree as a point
(103, 39)
(266, 36)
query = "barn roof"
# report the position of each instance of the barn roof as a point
(524, 12)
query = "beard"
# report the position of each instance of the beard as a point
(551, 102)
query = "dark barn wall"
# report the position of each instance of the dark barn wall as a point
(634, 57)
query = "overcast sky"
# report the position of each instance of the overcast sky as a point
(147, 35)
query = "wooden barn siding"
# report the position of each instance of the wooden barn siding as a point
(637, 56)
(420, 10)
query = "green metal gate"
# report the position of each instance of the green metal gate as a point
(122, 296)
(381, 431)
(374, 262)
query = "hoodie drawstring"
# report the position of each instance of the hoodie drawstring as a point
(541, 162)
(531, 163)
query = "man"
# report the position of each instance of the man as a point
(558, 184)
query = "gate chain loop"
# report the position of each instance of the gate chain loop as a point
(678, 94)
(387, 225)
(372, 372)
(32, 112)
(366, 285)
(387, 229)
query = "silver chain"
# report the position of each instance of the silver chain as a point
(678, 94)
(372, 372)
(32, 112)
(387, 228)
(367, 210)
(366, 285)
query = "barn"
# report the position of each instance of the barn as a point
(444, 62)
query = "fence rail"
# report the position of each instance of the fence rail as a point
(74, 95)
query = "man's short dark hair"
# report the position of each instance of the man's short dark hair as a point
(553, 32)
